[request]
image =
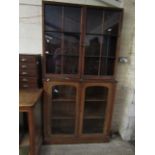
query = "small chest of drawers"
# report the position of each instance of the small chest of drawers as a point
(29, 71)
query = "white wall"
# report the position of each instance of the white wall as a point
(30, 27)
(124, 114)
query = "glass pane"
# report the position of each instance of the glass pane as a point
(61, 126)
(94, 21)
(63, 109)
(92, 54)
(92, 126)
(53, 52)
(107, 66)
(111, 22)
(94, 109)
(72, 19)
(71, 53)
(92, 45)
(64, 92)
(53, 18)
(91, 66)
(96, 92)
(109, 46)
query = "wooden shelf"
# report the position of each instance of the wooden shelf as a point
(95, 100)
(63, 100)
(93, 117)
(63, 117)
(93, 56)
(68, 55)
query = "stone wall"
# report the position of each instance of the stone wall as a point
(124, 115)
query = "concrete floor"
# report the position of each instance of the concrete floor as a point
(114, 147)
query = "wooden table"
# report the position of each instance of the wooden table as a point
(30, 103)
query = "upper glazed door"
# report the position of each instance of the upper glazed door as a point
(62, 39)
(80, 41)
(100, 40)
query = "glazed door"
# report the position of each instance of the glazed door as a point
(95, 102)
(62, 35)
(62, 108)
(100, 40)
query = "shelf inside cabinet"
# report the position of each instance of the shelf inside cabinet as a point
(95, 100)
(62, 117)
(93, 117)
(63, 113)
(63, 100)
(91, 56)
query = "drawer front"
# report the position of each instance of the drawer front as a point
(24, 65)
(28, 72)
(27, 58)
(25, 82)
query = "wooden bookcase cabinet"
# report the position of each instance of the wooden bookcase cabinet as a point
(77, 111)
(79, 57)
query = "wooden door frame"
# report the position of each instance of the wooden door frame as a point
(47, 110)
(108, 110)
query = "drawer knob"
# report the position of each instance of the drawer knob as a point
(23, 59)
(25, 86)
(24, 73)
(24, 79)
(67, 78)
(48, 79)
(24, 66)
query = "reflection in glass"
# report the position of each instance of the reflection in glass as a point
(72, 19)
(111, 22)
(53, 52)
(71, 53)
(92, 53)
(107, 66)
(53, 18)
(94, 21)
(109, 46)
(64, 92)
(91, 66)
(71, 44)
(92, 45)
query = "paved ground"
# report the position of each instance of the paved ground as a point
(114, 147)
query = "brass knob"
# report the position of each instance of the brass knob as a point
(23, 59)
(24, 66)
(25, 85)
(47, 79)
(24, 79)
(24, 73)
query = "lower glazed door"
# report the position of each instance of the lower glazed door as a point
(96, 107)
(61, 108)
